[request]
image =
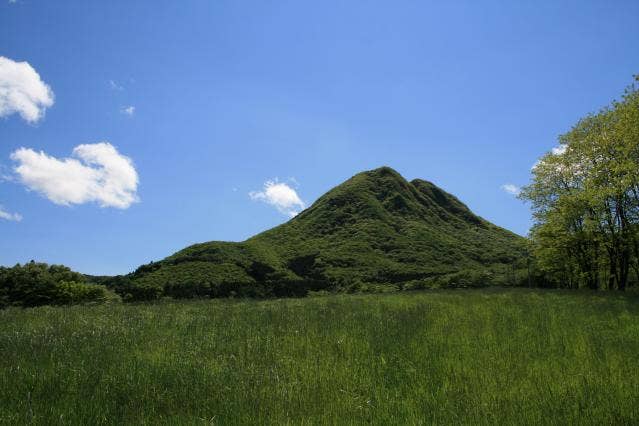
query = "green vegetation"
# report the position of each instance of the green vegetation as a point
(37, 284)
(482, 356)
(585, 198)
(375, 232)
(438, 357)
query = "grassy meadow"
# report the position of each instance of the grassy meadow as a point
(436, 357)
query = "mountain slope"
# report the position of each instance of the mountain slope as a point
(374, 229)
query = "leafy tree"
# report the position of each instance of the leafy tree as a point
(585, 200)
(73, 293)
(36, 284)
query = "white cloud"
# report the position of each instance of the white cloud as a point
(98, 173)
(511, 189)
(128, 110)
(22, 91)
(281, 196)
(115, 86)
(14, 217)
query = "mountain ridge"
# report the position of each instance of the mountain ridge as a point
(375, 229)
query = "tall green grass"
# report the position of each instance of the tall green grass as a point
(445, 357)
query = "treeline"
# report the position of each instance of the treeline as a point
(37, 284)
(135, 291)
(302, 277)
(585, 200)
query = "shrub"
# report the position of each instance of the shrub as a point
(188, 290)
(33, 284)
(73, 293)
(466, 279)
(141, 292)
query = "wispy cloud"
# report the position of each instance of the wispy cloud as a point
(13, 217)
(6, 174)
(22, 91)
(128, 110)
(98, 173)
(115, 86)
(511, 189)
(281, 196)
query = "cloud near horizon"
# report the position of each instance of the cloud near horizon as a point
(98, 173)
(22, 91)
(281, 196)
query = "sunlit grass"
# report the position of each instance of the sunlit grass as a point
(445, 357)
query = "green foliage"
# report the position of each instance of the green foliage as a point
(36, 284)
(375, 232)
(467, 357)
(585, 200)
(74, 293)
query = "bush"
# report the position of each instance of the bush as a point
(466, 279)
(73, 293)
(418, 284)
(379, 288)
(188, 290)
(33, 284)
(37, 284)
(141, 292)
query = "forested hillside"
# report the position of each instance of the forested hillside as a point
(374, 232)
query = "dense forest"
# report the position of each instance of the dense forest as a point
(378, 232)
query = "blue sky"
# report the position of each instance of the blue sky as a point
(183, 111)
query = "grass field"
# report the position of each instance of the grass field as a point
(441, 357)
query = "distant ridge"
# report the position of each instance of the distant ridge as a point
(375, 230)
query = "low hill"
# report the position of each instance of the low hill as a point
(372, 232)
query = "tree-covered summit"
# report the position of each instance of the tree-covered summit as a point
(375, 231)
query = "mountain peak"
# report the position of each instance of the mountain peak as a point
(376, 227)
(384, 171)
(384, 194)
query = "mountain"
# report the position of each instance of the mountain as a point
(375, 231)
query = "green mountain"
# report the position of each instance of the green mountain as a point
(375, 231)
